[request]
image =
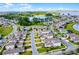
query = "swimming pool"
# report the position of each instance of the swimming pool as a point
(76, 27)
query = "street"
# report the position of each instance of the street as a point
(34, 50)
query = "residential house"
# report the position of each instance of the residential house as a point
(74, 37)
(52, 42)
(10, 45)
(14, 51)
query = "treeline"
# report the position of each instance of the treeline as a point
(23, 18)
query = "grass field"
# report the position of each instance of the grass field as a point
(5, 30)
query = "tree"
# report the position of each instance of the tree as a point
(77, 50)
(48, 14)
(24, 21)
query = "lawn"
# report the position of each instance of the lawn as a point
(27, 47)
(40, 44)
(75, 44)
(38, 40)
(27, 42)
(70, 27)
(26, 53)
(5, 30)
(41, 50)
(37, 37)
(0, 47)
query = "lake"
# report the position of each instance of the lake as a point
(76, 27)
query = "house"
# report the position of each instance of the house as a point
(52, 42)
(13, 40)
(63, 31)
(74, 38)
(10, 45)
(25, 29)
(14, 51)
(19, 44)
(77, 20)
(56, 42)
(49, 40)
(21, 41)
(59, 24)
(45, 32)
(39, 28)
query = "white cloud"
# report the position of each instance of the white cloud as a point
(8, 5)
(25, 7)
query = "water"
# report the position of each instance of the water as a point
(76, 27)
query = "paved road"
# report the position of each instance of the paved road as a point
(34, 50)
(69, 45)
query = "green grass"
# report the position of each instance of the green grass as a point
(70, 27)
(27, 43)
(27, 47)
(37, 37)
(26, 53)
(37, 45)
(5, 30)
(0, 47)
(38, 40)
(41, 50)
(73, 43)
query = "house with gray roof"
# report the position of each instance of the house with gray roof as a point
(74, 37)
(52, 42)
(14, 51)
(10, 45)
(19, 44)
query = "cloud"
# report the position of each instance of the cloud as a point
(25, 7)
(8, 5)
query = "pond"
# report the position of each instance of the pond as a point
(76, 27)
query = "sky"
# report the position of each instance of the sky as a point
(38, 6)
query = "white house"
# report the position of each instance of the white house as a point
(10, 45)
